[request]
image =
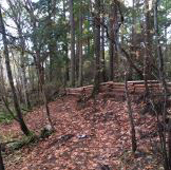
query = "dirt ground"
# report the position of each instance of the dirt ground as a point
(91, 136)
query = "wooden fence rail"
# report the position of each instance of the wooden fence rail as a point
(118, 88)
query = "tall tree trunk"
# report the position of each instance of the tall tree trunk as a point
(89, 40)
(72, 43)
(159, 49)
(39, 65)
(23, 69)
(97, 47)
(166, 54)
(77, 52)
(41, 85)
(113, 39)
(111, 44)
(130, 113)
(166, 147)
(133, 45)
(1, 160)
(51, 44)
(103, 49)
(80, 77)
(146, 55)
(148, 41)
(51, 63)
(67, 76)
(3, 92)
(10, 77)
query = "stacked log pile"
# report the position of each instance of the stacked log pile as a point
(118, 88)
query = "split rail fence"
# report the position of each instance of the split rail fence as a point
(118, 89)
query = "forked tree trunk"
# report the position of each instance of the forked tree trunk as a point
(10, 77)
(22, 70)
(39, 67)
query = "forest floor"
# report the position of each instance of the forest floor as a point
(91, 136)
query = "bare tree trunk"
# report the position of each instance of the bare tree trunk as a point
(97, 47)
(50, 45)
(41, 86)
(77, 53)
(111, 44)
(39, 67)
(103, 48)
(23, 69)
(72, 43)
(67, 76)
(80, 78)
(10, 77)
(133, 45)
(146, 55)
(131, 119)
(3, 92)
(1, 160)
(166, 148)
(169, 143)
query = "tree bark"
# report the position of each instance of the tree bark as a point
(67, 75)
(97, 47)
(130, 113)
(16, 8)
(80, 79)
(1, 160)
(146, 55)
(51, 44)
(103, 63)
(10, 77)
(23, 69)
(72, 43)
(39, 67)
(166, 147)
(111, 44)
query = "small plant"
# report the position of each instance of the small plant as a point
(26, 140)
(5, 117)
(46, 131)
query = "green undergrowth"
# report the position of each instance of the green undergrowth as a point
(5, 117)
(24, 141)
(32, 139)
